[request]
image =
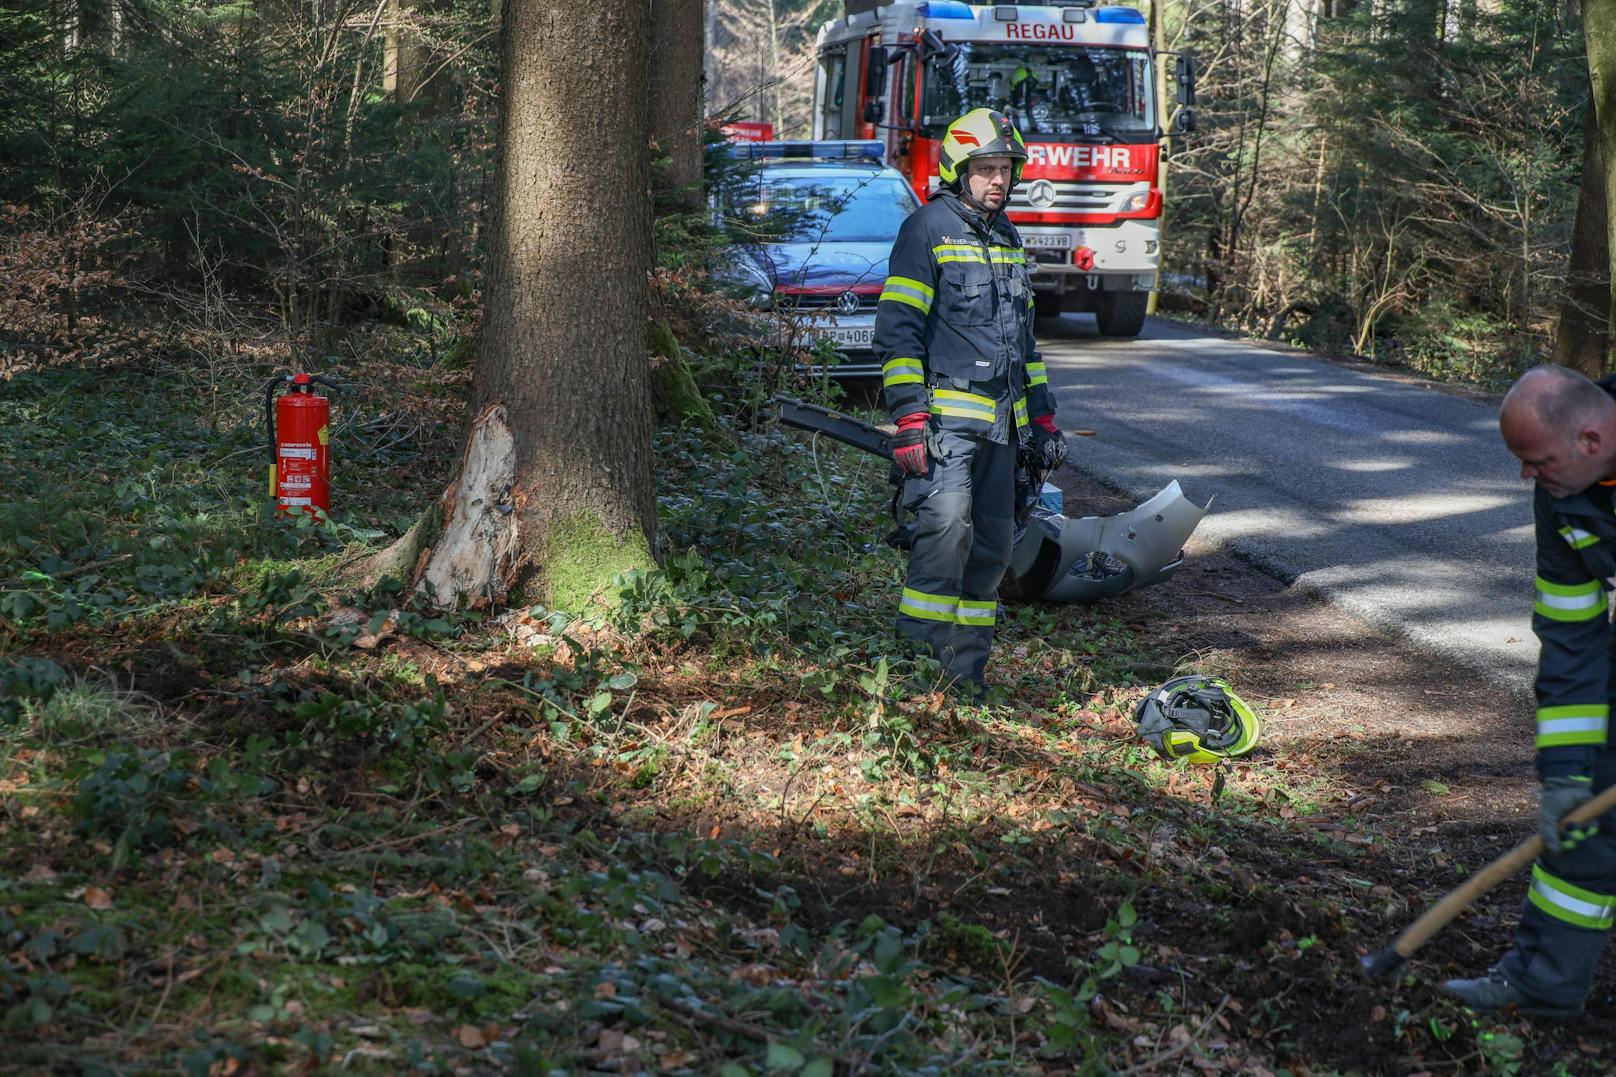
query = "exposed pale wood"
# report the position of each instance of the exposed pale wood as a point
(476, 554)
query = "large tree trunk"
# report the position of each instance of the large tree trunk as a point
(1599, 30)
(555, 495)
(1581, 341)
(676, 82)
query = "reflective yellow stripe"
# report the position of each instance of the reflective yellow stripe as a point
(963, 405)
(1037, 374)
(1021, 412)
(927, 607)
(902, 372)
(1579, 539)
(1569, 601)
(977, 613)
(953, 252)
(1012, 255)
(1572, 724)
(1571, 903)
(907, 290)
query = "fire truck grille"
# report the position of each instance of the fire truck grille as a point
(1074, 197)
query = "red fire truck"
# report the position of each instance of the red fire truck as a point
(1082, 84)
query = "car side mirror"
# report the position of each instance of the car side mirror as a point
(872, 111)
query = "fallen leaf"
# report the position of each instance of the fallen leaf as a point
(470, 1036)
(97, 898)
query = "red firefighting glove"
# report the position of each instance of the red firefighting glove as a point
(909, 445)
(1048, 443)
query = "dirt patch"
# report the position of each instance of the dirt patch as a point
(1420, 733)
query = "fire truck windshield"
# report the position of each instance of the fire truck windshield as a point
(1058, 93)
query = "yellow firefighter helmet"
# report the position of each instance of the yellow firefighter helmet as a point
(981, 132)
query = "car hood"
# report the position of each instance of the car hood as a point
(824, 265)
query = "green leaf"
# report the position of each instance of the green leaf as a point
(819, 1067)
(622, 681)
(1126, 916)
(783, 1056)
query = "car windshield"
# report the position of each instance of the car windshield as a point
(798, 207)
(1060, 93)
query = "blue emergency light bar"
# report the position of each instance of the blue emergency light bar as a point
(815, 149)
(955, 9)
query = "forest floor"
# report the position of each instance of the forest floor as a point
(256, 819)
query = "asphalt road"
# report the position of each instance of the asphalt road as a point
(1392, 499)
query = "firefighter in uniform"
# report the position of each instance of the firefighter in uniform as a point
(1562, 428)
(962, 379)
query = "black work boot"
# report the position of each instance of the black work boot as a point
(1490, 993)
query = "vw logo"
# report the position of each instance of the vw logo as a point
(1041, 195)
(847, 303)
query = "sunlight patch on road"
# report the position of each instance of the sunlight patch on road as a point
(1423, 437)
(1370, 465)
(1427, 506)
(1264, 523)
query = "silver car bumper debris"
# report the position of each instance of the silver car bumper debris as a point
(1059, 559)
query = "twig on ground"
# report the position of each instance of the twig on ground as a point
(1149, 1065)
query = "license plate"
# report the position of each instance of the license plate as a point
(1046, 242)
(861, 337)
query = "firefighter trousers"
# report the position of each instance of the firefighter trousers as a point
(1568, 914)
(963, 533)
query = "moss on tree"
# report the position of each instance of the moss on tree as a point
(582, 555)
(678, 399)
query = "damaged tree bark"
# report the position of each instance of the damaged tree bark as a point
(555, 495)
(477, 552)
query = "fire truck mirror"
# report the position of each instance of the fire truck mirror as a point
(1184, 121)
(1184, 76)
(875, 75)
(932, 42)
(872, 111)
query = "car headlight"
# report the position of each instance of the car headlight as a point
(742, 277)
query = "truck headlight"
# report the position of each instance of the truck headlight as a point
(1135, 202)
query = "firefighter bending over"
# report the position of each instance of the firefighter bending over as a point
(1562, 428)
(962, 378)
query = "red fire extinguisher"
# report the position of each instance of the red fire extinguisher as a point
(299, 428)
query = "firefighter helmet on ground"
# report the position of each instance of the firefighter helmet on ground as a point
(1199, 719)
(981, 132)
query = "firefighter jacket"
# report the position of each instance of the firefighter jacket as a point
(953, 328)
(1576, 563)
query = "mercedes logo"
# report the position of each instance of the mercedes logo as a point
(847, 303)
(1041, 194)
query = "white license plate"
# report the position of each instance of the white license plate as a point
(861, 337)
(1035, 241)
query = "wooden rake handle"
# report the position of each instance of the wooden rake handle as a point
(1438, 916)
